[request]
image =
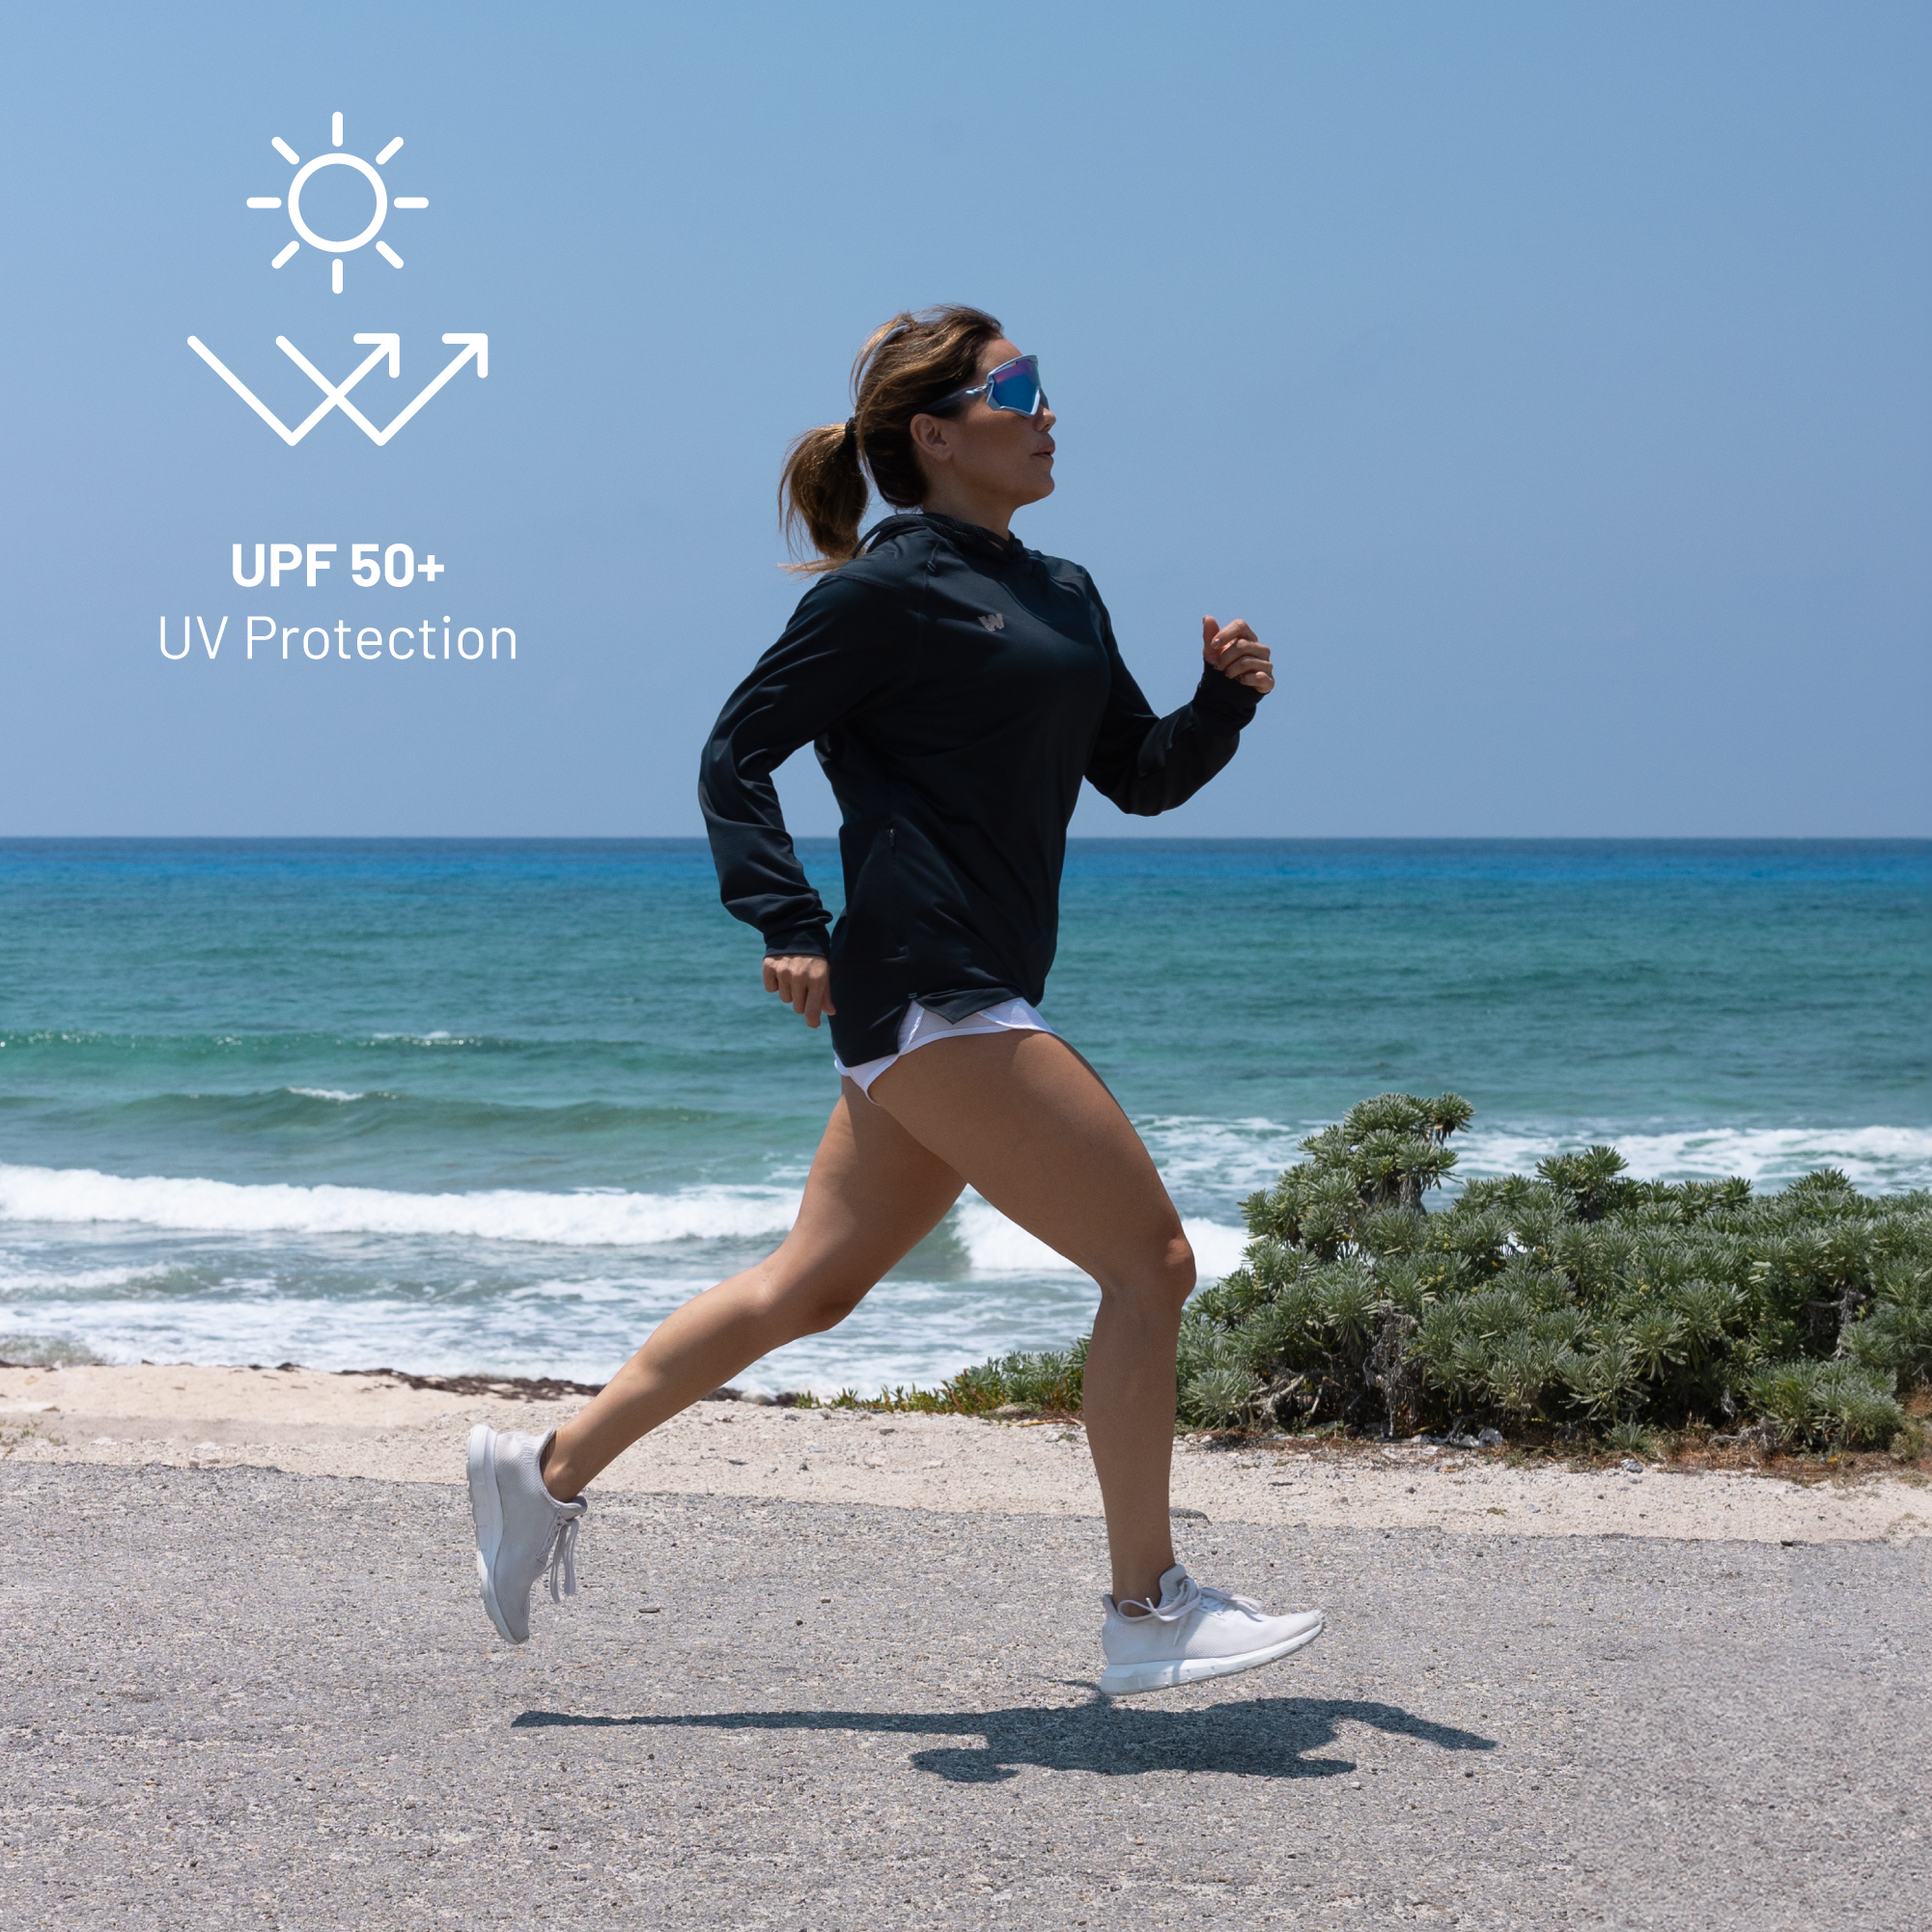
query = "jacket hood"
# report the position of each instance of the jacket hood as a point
(973, 539)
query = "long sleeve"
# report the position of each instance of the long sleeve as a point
(1147, 764)
(833, 656)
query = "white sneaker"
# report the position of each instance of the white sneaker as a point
(521, 1528)
(1192, 1634)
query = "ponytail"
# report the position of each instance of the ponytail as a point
(906, 365)
(822, 493)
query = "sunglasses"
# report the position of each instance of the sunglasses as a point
(1014, 385)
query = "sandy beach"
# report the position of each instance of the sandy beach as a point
(309, 1422)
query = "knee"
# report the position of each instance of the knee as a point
(1177, 1270)
(826, 1309)
(810, 1307)
(1163, 1280)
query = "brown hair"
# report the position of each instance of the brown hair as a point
(906, 366)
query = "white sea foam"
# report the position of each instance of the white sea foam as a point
(581, 1219)
(1205, 1159)
(17, 1281)
(324, 1093)
(1221, 1157)
(1217, 1248)
(995, 1246)
(1878, 1159)
(906, 1331)
(79, 1195)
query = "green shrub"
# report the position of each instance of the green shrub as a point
(1573, 1296)
(1631, 1438)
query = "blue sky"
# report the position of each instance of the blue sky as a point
(1548, 384)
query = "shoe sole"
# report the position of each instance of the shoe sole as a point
(486, 1506)
(1132, 1680)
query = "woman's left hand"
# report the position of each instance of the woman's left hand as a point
(1237, 653)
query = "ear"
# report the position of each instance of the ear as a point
(929, 439)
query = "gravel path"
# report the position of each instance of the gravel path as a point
(244, 1697)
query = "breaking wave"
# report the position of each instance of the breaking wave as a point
(585, 1219)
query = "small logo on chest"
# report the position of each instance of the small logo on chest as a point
(991, 620)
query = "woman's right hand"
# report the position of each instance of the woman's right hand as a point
(803, 980)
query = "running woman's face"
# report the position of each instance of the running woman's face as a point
(983, 463)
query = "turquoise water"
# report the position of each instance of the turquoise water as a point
(452, 1105)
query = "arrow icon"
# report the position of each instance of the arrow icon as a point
(335, 396)
(393, 344)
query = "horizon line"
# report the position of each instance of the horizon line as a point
(1083, 838)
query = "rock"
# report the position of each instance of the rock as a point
(1631, 1466)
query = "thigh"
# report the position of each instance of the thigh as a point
(1030, 1125)
(874, 1193)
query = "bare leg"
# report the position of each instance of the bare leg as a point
(1028, 1122)
(874, 1193)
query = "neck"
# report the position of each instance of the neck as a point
(947, 497)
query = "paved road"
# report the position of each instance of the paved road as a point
(237, 1698)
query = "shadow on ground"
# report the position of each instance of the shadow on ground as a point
(1262, 1737)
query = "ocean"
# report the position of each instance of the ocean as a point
(476, 1106)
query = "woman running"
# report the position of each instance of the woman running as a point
(958, 687)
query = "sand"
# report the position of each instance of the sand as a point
(313, 1423)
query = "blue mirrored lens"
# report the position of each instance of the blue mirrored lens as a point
(1015, 385)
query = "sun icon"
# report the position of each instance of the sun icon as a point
(305, 171)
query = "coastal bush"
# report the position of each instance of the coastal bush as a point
(1573, 1296)
(1574, 1300)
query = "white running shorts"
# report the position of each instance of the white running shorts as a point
(920, 1028)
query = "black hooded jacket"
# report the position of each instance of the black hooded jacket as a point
(957, 687)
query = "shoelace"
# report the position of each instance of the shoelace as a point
(564, 1557)
(1190, 1597)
